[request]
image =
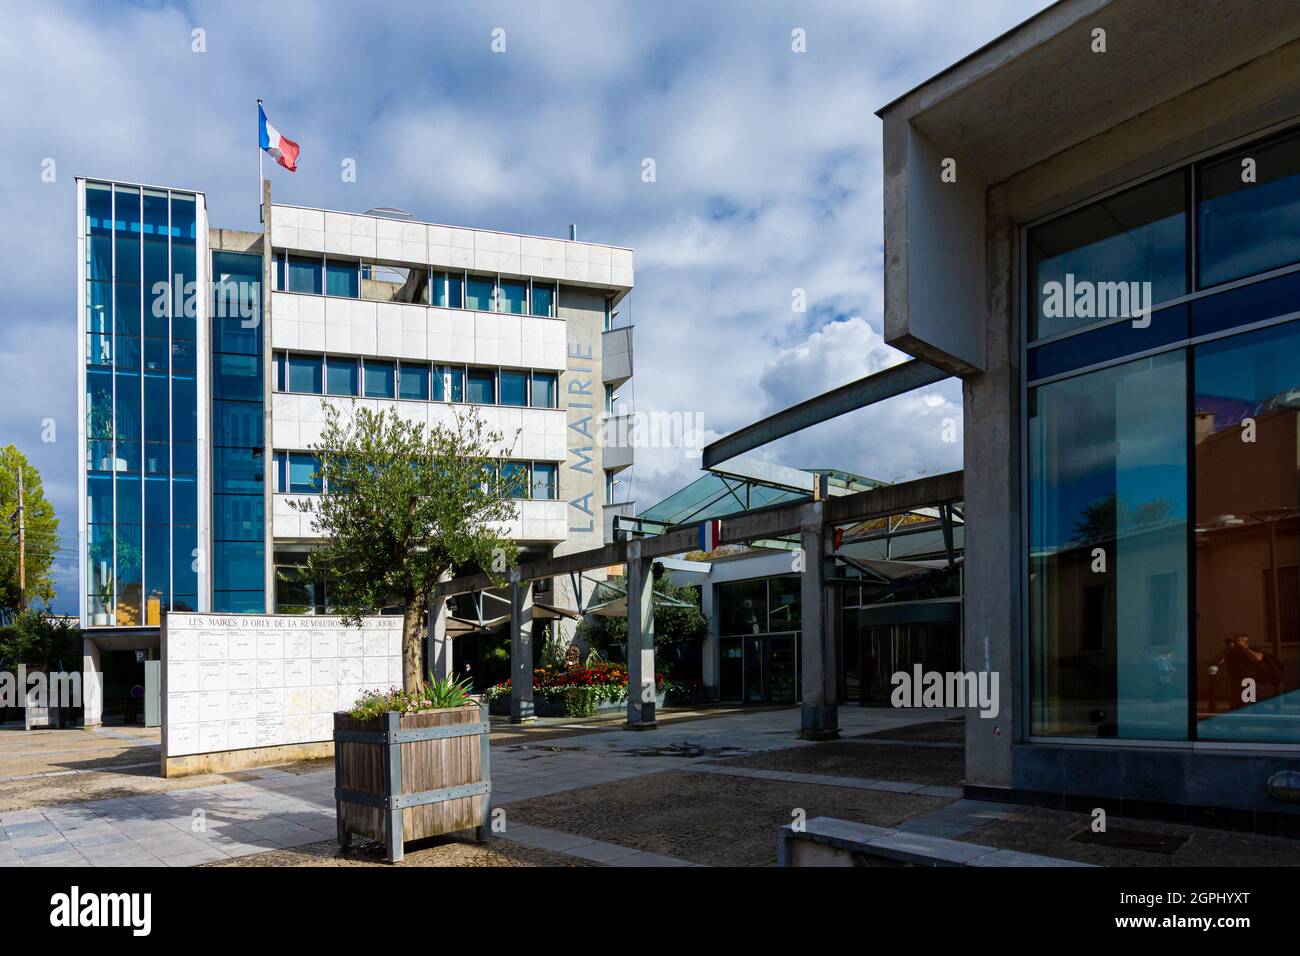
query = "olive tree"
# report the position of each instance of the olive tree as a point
(402, 504)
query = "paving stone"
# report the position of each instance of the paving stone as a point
(602, 852)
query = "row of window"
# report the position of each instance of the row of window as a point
(414, 381)
(414, 284)
(298, 473)
(1236, 212)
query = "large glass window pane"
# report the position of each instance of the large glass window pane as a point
(482, 387)
(237, 377)
(303, 274)
(513, 296)
(544, 484)
(305, 374)
(543, 302)
(514, 387)
(544, 390)
(393, 283)
(341, 278)
(379, 378)
(478, 293)
(1248, 536)
(1248, 227)
(455, 290)
(413, 382)
(455, 383)
(1108, 552)
(1137, 236)
(126, 234)
(341, 376)
(303, 473)
(743, 606)
(99, 229)
(784, 607)
(514, 479)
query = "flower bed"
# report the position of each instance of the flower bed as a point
(580, 692)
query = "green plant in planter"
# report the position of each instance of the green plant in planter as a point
(580, 701)
(436, 694)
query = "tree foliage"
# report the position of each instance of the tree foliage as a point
(42, 533)
(41, 640)
(404, 504)
(672, 624)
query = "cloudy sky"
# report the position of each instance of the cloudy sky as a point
(767, 177)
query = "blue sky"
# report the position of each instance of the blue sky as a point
(767, 169)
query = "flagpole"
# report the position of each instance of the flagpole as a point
(261, 213)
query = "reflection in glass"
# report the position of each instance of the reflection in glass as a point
(1248, 536)
(1108, 552)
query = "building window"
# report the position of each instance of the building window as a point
(379, 378)
(1108, 479)
(1082, 265)
(545, 390)
(514, 387)
(482, 387)
(300, 473)
(1244, 228)
(545, 485)
(303, 274)
(455, 290)
(341, 376)
(514, 479)
(543, 299)
(512, 296)
(1247, 534)
(452, 378)
(305, 374)
(479, 293)
(341, 279)
(413, 381)
(395, 283)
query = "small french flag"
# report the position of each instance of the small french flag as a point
(710, 535)
(283, 151)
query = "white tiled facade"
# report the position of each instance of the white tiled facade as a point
(569, 344)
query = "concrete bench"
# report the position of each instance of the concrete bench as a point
(825, 841)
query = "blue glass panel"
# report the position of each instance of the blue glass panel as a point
(185, 499)
(236, 377)
(379, 378)
(155, 242)
(1244, 228)
(157, 458)
(237, 423)
(1245, 304)
(341, 376)
(514, 387)
(238, 518)
(99, 498)
(303, 470)
(99, 230)
(305, 374)
(184, 458)
(341, 279)
(478, 293)
(1108, 552)
(303, 275)
(156, 355)
(513, 296)
(543, 302)
(455, 290)
(157, 498)
(1110, 342)
(185, 575)
(126, 234)
(1139, 235)
(482, 387)
(438, 288)
(184, 409)
(130, 575)
(455, 384)
(239, 602)
(126, 309)
(238, 470)
(514, 479)
(413, 382)
(241, 567)
(157, 561)
(184, 355)
(184, 232)
(157, 424)
(127, 407)
(544, 484)
(544, 390)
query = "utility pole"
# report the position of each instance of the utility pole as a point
(22, 546)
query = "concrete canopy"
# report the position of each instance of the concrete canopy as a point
(1029, 95)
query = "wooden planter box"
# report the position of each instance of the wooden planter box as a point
(407, 777)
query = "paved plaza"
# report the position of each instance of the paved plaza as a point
(709, 789)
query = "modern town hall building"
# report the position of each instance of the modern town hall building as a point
(1094, 221)
(205, 356)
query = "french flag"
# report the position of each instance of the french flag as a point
(710, 534)
(283, 151)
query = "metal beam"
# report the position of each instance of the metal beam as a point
(775, 521)
(884, 384)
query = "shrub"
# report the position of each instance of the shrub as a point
(437, 694)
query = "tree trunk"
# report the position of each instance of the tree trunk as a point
(412, 619)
